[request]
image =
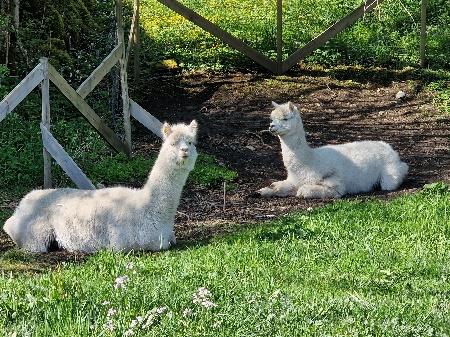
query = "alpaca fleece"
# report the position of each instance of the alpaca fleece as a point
(117, 218)
(329, 171)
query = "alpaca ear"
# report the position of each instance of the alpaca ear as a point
(275, 105)
(293, 107)
(194, 126)
(166, 130)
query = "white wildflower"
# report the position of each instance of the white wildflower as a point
(202, 297)
(145, 321)
(121, 281)
(274, 297)
(161, 310)
(187, 312)
(106, 303)
(109, 325)
(129, 332)
(129, 266)
(111, 312)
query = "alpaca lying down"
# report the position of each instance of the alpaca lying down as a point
(329, 171)
(118, 218)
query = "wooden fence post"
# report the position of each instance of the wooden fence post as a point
(45, 90)
(136, 45)
(423, 32)
(279, 37)
(123, 77)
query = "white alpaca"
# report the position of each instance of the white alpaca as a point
(329, 171)
(117, 218)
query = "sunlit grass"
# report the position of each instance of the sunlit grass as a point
(353, 268)
(387, 36)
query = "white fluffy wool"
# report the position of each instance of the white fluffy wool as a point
(330, 171)
(117, 218)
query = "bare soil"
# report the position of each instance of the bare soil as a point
(233, 110)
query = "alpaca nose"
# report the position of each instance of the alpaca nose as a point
(185, 150)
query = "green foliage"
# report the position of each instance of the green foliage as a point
(388, 36)
(441, 89)
(20, 153)
(61, 31)
(353, 268)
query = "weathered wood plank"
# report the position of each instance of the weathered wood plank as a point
(145, 118)
(279, 36)
(64, 160)
(97, 75)
(221, 34)
(136, 46)
(21, 91)
(86, 111)
(329, 33)
(132, 33)
(45, 90)
(123, 77)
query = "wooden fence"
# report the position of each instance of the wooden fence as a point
(44, 73)
(281, 66)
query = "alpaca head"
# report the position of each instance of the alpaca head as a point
(286, 119)
(179, 144)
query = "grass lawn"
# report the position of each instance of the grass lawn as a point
(352, 268)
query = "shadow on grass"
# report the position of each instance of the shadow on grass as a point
(15, 261)
(375, 75)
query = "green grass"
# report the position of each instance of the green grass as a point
(442, 94)
(388, 36)
(352, 268)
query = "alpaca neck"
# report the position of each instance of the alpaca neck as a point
(295, 150)
(163, 188)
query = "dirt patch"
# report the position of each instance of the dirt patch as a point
(233, 112)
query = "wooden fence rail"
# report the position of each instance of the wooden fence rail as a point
(221, 34)
(100, 72)
(21, 91)
(86, 111)
(64, 160)
(329, 33)
(145, 118)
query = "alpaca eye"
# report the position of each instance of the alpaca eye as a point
(189, 143)
(285, 119)
(173, 144)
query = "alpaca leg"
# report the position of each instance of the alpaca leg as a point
(393, 175)
(172, 240)
(328, 188)
(282, 188)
